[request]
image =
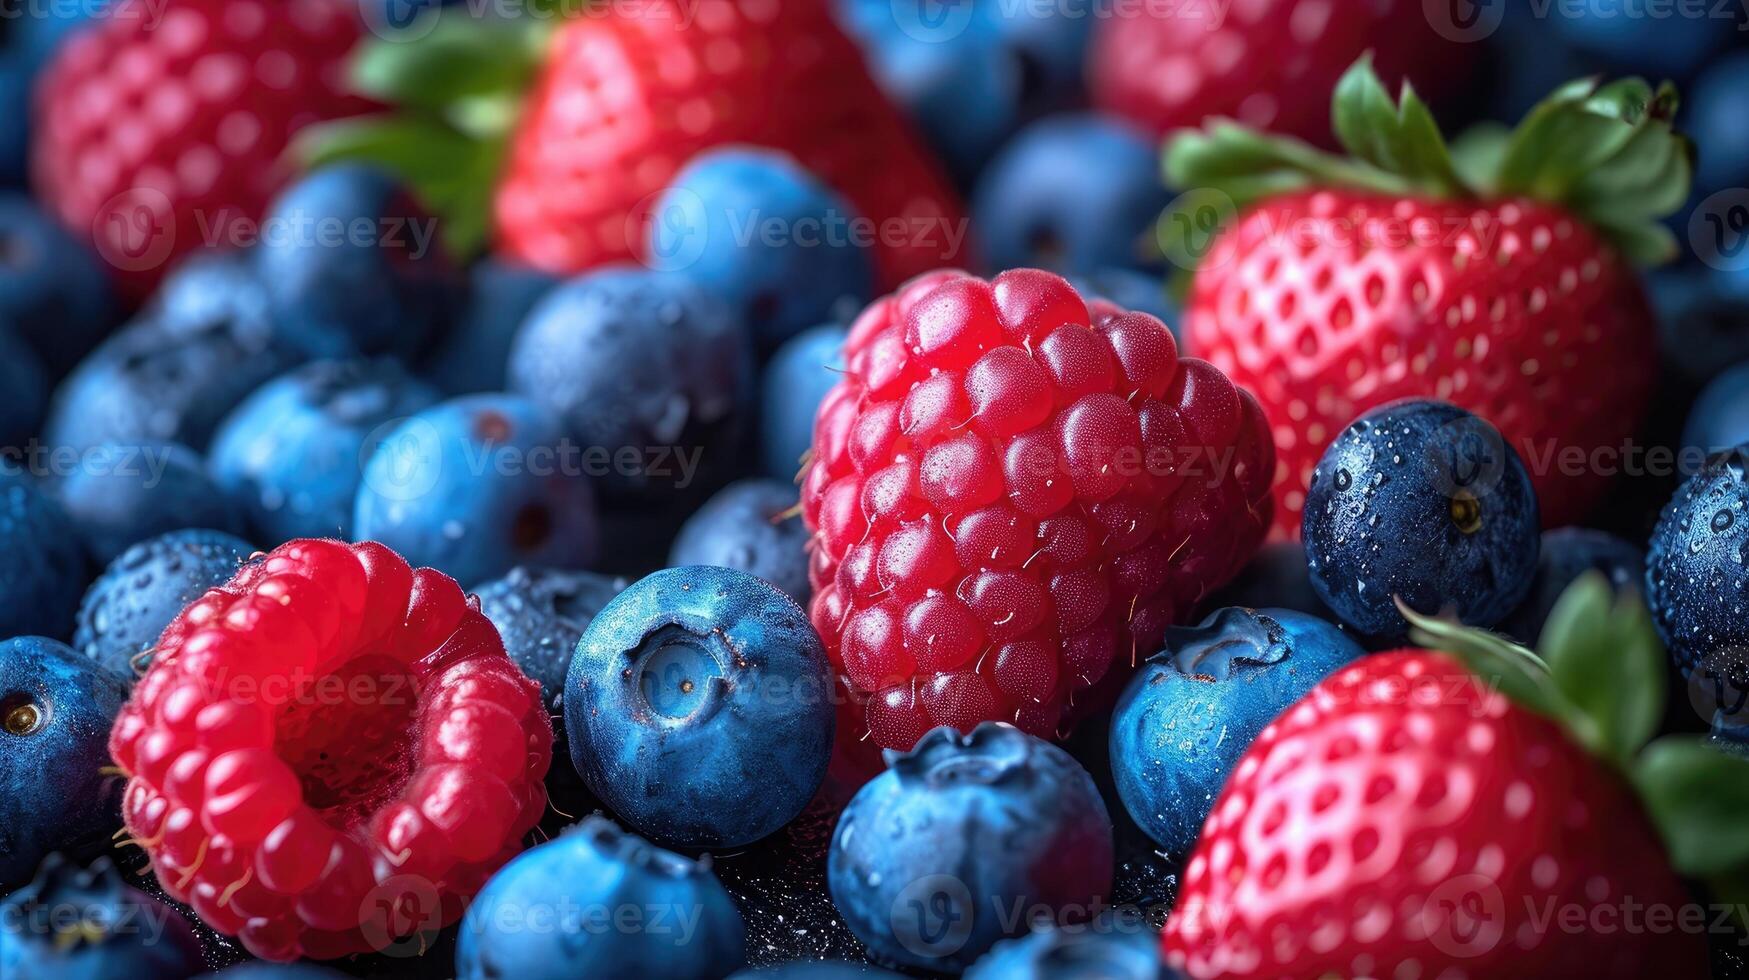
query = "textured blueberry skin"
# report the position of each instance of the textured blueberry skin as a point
(1075, 194)
(541, 613)
(57, 797)
(46, 570)
(141, 591)
(71, 923)
(569, 882)
(1566, 554)
(1719, 419)
(698, 707)
(1133, 290)
(1383, 519)
(749, 526)
(1277, 577)
(794, 383)
(931, 856)
(630, 359)
(1195, 707)
(390, 291)
(777, 287)
(475, 486)
(54, 293)
(292, 454)
(1128, 952)
(26, 385)
(1695, 569)
(475, 354)
(120, 495)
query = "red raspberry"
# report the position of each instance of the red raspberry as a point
(329, 747)
(1011, 488)
(160, 129)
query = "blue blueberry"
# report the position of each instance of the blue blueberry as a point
(1277, 577)
(14, 119)
(751, 526)
(1695, 571)
(226, 288)
(475, 354)
(1127, 951)
(350, 252)
(1719, 418)
(1133, 290)
(794, 383)
(1424, 501)
(72, 923)
(475, 486)
(1076, 194)
(754, 229)
(644, 368)
(26, 385)
(122, 494)
(541, 613)
(1717, 106)
(56, 708)
(146, 587)
(931, 858)
(1050, 43)
(699, 708)
(1187, 717)
(1567, 553)
(292, 454)
(44, 571)
(1700, 325)
(817, 970)
(1646, 36)
(54, 295)
(598, 902)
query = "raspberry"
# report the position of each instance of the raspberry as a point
(326, 727)
(1011, 487)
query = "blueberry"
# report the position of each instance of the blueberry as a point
(53, 293)
(751, 526)
(122, 494)
(1076, 194)
(1528, 61)
(475, 486)
(292, 453)
(795, 381)
(14, 119)
(598, 902)
(1719, 419)
(257, 970)
(45, 571)
(227, 288)
(931, 859)
(1643, 35)
(699, 707)
(644, 368)
(141, 591)
(1566, 554)
(1187, 717)
(71, 923)
(350, 252)
(1695, 571)
(26, 384)
(1717, 106)
(764, 236)
(541, 613)
(1050, 43)
(1424, 501)
(474, 356)
(1130, 951)
(55, 711)
(1132, 290)
(158, 381)
(1276, 577)
(1700, 325)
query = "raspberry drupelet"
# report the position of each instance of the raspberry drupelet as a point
(1011, 489)
(328, 735)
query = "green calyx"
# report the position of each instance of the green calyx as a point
(1600, 671)
(455, 87)
(1606, 152)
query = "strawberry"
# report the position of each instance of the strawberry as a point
(1013, 490)
(162, 130)
(1266, 63)
(1450, 814)
(588, 118)
(1498, 280)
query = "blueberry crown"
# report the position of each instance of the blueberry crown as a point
(993, 753)
(97, 895)
(1227, 639)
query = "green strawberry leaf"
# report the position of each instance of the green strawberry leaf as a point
(1518, 673)
(1396, 136)
(1697, 795)
(1608, 665)
(460, 58)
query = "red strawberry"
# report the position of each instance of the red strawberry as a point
(159, 131)
(1266, 63)
(1506, 289)
(618, 100)
(1009, 492)
(330, 751)
(1410, 818)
